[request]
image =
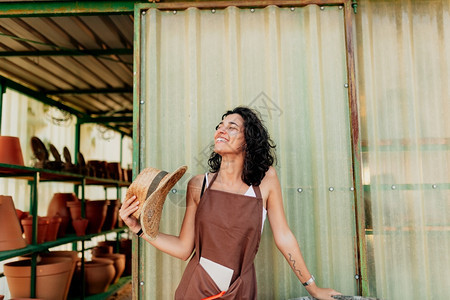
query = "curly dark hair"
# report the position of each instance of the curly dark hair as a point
(259, 149)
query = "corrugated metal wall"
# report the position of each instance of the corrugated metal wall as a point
(291, 66)
(197, 63)
(403, 87)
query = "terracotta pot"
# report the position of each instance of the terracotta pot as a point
(98, 275)
(10, 230)
(119, 263)
(2, 297)
(52, 230)
(73, 255)
(100, 250)
(21, 215)
(124, 248)
(75, 209)
(80, 226)
(112, 210)
(96, 214)
(130, 175)
(27, 225)
(51, 272)
(114, 170)
(58, 207)
(10, 151)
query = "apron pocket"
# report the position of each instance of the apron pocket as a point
(201, 286)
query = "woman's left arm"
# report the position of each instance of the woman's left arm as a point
(285, 239)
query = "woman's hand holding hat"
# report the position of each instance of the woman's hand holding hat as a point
(130, 206)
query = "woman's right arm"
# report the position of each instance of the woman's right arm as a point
(178, 246)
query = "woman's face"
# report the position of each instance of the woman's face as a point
(229, 137)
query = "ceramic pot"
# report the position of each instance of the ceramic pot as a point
(52, 275)
(58, 207)
(73, 255)
(124, 248)
(100, 250)
(98, 274)
(80, 226)
(96, 214)
(21, 215)
(75, 209)
(114, 170)
(112, 210)
(2, 297)
(130, 175)
(10, 230)
(27, 225)
(10, 151)
(119, 263)
(53, 227)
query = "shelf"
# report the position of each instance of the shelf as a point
(27, 173)
(44, 246)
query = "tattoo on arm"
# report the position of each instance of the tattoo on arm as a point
(293, 265)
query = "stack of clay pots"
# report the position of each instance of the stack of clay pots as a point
(112, 209)
(58, 206)
(95, 212)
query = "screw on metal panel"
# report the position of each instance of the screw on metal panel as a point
(346, 85)
(352, 189)
(434, 186)
(174, 12)
(143, 12)
(213, 11)
(393, 187)
(322, 7)
(142, 102)
(331, 189)
(340, 6)
(252, 9)
(174, 191)
(357, 277)
(141, 283)
(299, 190)
(292, 8)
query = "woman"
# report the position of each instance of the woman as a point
(225, 213)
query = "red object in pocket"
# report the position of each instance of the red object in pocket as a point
(215, 296)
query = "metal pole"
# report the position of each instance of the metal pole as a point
(2, 91)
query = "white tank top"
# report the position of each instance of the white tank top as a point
(250, 193)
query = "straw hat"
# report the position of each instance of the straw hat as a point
(151, 187)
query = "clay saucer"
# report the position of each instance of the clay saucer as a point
(39, 150)
(55, 153)
(81, 160)
(67, 156)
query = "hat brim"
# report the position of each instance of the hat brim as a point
(150, 215)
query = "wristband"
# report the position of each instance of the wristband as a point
(140, 232)
(309, 281)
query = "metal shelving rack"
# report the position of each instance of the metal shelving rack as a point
(34, 177)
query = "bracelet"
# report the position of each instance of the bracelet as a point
(309, 281)
(140, 232)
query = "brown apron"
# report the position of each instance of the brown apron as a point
(228, 232)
